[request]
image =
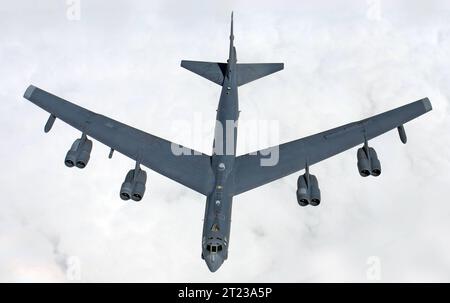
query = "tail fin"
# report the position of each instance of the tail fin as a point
(250, 72)
(232, 53)
(212, 71)
(231, 30)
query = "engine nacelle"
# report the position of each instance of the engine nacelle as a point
(363, 163)
(368, 162)
(308, 191)
(302, 191)
(127, 186)
(134, 186)
(79, 153)
(315, 191)
(375, 163)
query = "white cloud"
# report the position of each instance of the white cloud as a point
(122, 59)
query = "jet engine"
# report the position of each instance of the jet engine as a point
(375, 162)
(79, 153)
(134, 185)
(308, 191)
(363, 163)
(368, 162)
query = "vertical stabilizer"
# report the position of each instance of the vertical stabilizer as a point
(231, 32)
(232, 53)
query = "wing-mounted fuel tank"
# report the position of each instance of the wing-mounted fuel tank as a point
(402, 134)
(134, 184)
(308, 191)
(80, 152)
(368, 162)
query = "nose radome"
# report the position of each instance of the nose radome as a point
(214, 261)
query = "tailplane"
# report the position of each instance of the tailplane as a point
(252, 71)
(212, 71)
(246, 72)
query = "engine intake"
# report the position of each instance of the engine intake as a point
(368, 162)
(308, 191)
(134, 185)
(79, 154)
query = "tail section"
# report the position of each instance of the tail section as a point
(245, 73)
(249, 72)
(212, 71)
(215, 72)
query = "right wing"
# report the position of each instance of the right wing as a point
(192, 169)
(292, 156)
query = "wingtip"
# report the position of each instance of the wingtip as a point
(427, 104)
(29, 92)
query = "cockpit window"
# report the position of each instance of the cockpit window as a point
(213, 248)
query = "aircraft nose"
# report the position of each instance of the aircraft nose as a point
(214, 261)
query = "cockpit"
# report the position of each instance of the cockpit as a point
(214, 255)
(214, 248)
(214, 251)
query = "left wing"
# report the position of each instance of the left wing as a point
(192, 169)
(292, 156)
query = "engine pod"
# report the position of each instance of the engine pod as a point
(84, 155)
(127, 186)
(303, 196)
(139, 186)
(314, 190)
(364, 168)
(72, 154)
(374, 163)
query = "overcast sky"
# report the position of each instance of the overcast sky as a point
(344, 60)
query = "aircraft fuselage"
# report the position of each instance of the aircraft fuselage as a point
(217, 222)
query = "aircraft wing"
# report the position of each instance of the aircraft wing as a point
(192, 169)
(293, 155)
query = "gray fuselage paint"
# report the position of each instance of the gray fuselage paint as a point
(217, 222)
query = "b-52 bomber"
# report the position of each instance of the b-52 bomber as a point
(223, 175)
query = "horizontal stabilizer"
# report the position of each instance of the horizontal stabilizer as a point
(212, 71)
(250, 72)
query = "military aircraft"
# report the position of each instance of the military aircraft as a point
(222, 175)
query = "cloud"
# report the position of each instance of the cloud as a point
(122, 59)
